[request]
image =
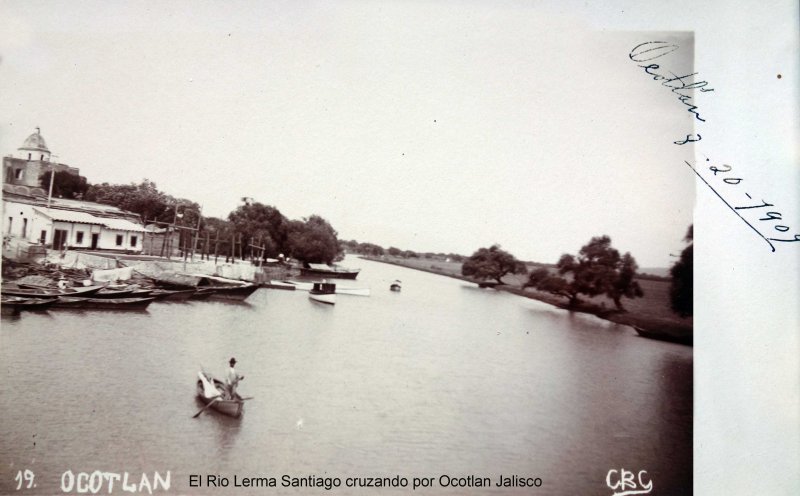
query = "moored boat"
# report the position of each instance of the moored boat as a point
(106, 293)
(70, 302)
(201, 294)
(172, 294)
(333, 272)
(396, 286)
(324, 292)
(236, 293)
(212, 391)
(275, 284)
(13, 290)
(118, 303)
(301, 286)
(30, 304)
(353, 291)
(663, 336)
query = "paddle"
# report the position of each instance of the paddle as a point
(206, 407)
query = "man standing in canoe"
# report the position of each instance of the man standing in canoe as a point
(232, 379)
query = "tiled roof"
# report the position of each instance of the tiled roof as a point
(87, 218)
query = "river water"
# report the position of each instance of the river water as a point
(442, 378)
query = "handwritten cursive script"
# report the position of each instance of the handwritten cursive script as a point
(719, 179)
(680, 85)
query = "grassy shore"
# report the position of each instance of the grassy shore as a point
(651, 312)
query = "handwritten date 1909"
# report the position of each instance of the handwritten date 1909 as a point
(766, 218)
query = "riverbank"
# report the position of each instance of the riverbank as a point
(650, 313)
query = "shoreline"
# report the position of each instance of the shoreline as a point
(650, 327)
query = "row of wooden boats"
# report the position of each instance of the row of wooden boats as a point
(24, 297)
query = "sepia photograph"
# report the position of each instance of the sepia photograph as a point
(379, 248)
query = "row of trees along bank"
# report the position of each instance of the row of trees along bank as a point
(258, 231)
(597, 269)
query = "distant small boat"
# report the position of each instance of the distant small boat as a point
(210, 390)
(324, 292)
(396, 286)
(334, 271)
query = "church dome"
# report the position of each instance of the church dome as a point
(35, 142)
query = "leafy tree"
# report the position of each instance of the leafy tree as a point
(543, 280)
(261, 225)
(395, 252)
(313, 240)
(455, 257)
(597, 269)
(65, 184)
(370, 249)
(146, 200)
(492, 263)
(624, 285)
(682, 288)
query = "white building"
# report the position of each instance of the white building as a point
(29, 218)
(72, 223)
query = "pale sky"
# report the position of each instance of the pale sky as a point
(430, 126)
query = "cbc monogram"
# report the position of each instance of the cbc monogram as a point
(627, 483)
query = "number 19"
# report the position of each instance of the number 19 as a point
(26, 476)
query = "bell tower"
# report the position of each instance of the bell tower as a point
(34, 148)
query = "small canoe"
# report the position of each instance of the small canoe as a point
(210, 389)
(172, 294)
(50, 293)
(323, 292)
(118, 303)
(106, 293)
(29, 304)
(353, 291)
(70, 302)
(274, 284)
(202, 294)
(300, 286)
(236, 293)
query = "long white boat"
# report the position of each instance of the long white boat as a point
(353, 291)
(299, 286)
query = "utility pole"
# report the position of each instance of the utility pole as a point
(52, 178)
(197, 232)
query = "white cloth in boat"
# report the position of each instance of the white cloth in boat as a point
(209, 391)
